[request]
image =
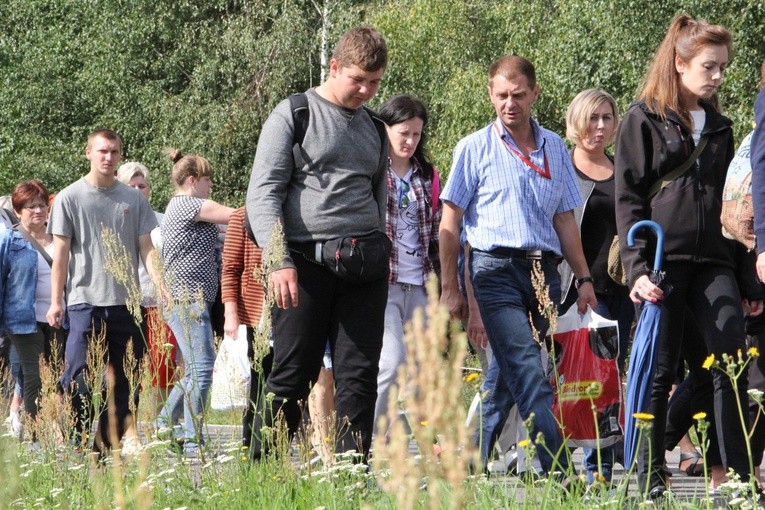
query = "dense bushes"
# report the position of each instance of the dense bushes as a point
(202, 76)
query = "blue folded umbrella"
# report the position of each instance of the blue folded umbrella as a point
(643, 357)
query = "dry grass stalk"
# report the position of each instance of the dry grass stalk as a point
(55, 416)
(322, 434)
(548, 308)
(432, 403)
(121, 266)
(273, 257)
(93, 376)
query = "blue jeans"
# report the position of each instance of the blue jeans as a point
(193, 330)
(506, 299)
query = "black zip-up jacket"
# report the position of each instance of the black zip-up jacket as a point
(688, 209)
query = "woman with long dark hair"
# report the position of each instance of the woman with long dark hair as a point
(414, 213)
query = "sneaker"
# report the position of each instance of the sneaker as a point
(162, 430)
(13, 422)
(191, 450)
(34, 447)
(131, 445)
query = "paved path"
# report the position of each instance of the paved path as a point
(683, 487)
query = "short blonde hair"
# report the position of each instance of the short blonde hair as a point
(132, 169)
(580, 110)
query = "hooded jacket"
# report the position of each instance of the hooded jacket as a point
(689, 207)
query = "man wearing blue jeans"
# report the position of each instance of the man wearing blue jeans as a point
(513, 184)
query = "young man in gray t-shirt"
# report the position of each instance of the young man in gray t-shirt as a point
(339, 189)
(96, 302)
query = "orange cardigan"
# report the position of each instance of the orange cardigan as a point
(240, 260)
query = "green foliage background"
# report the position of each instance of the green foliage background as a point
(203, 75)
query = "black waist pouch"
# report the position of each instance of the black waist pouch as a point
(358, 259)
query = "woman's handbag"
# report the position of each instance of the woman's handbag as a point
(615, 267)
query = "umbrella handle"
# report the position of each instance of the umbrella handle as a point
(659, 239)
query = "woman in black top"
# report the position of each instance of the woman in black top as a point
(677, 108)
(591, 122)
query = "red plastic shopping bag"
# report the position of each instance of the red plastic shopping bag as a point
(585, 372)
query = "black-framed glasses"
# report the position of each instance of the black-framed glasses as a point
(35, 207)
(403, 195)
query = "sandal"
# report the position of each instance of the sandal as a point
(695, 468)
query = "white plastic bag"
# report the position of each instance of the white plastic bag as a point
(231, 374)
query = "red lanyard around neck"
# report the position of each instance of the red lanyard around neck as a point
(544, 173)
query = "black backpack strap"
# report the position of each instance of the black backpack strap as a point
(248, 228)
(379, 126)
(300, 119)
(300, 116)
(382, 133)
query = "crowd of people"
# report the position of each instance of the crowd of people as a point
(346, 219)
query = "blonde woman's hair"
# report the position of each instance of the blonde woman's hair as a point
(187, 166)
(132, 169)
(685, 39)
(581, 108)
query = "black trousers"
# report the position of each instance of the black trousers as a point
(351, 316)
(87, 322)
(693, 395)
(257, 385)
(29, 348)
(707, 295)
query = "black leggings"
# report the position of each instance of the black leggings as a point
(707, 295)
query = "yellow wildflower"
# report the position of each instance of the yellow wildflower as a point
(424, 423)
(708, 362)
(699, 416)
(643, 416)
(753, 352)
(524, 443)
(472, 376)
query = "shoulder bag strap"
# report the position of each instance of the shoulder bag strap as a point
(34, 244)
(7, 216)
(677, 172)
(435, 190)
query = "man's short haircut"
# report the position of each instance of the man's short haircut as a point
(362, 46)
(106, 134)
(510, 66)
(133, 169)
